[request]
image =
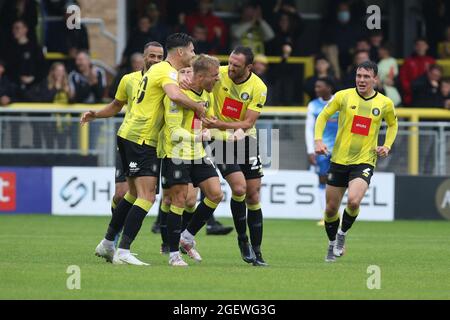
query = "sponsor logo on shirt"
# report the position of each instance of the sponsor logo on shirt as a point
(361, 125)
(232, 108)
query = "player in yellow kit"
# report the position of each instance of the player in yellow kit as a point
(361, 111)
(137, 137)
(153, 53)
(239, 98)
(186, 162)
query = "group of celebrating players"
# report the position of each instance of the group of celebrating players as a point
(187, 116)
(163, 135)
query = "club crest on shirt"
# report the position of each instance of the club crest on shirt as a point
(245, 96)
(353, 107)
(376, 112)
(225, 89)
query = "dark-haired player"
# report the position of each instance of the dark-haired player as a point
(138, 136)
(361, 111)
(239, 98)
(324, 88)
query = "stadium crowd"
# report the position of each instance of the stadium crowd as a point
(270, 28)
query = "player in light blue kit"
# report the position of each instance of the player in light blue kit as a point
(324, 88)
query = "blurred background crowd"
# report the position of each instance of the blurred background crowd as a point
(338, 40)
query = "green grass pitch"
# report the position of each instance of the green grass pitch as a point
(414, 259)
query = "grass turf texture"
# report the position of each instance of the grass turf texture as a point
(413, 257)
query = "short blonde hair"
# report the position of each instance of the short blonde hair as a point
(204, 62)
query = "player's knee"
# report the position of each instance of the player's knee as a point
(191, 202)
(120, 193)
(179, 199)
(167, 202)
(353, 203)
(253, 198)
(216, 196)
(239, 189)
(331, 209)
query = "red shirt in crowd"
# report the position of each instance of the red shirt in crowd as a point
(210, 21)
(413, 68)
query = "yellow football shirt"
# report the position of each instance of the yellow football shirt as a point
(233, 100)
(358, 126)
(146, 117)
(181, 125)
(127, 86)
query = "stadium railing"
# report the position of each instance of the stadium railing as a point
(421, 147)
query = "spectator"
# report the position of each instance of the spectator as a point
(88, 82)
(322, 69)
(271, 9)
(444, 46)
(445, 93)
(7, 87)
(205, 16)
(59, 38)
(25, 59)
(252, 31)
(362, 44)
(288, 31)
(200, 35)
(436, 15)
(387, 73)
(348, 80)
(14, 10)
(137, 64)
(285, 91)
(376, 39)
(261, 68)
(8, 95)
(179, 9)
(53, 89)
(426, 88)
(342, 32)
(414, 67)
(138, 39)
(158, 29)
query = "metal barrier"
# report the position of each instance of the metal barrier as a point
(421, 147)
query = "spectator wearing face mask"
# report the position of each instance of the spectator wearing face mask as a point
(342, 31)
